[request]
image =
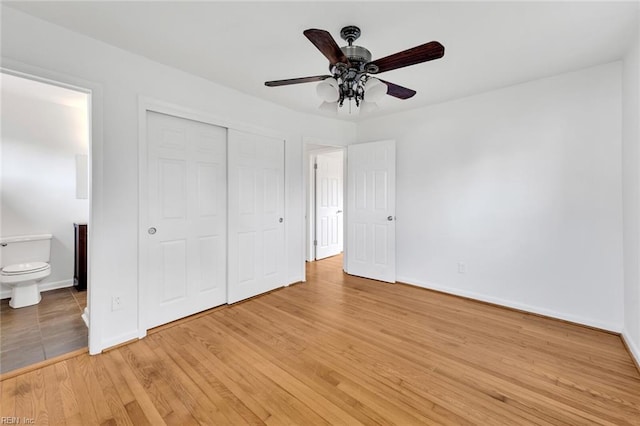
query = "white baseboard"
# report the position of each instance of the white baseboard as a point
(632, 346)
(85, 316)
(294, 280)
(616, 328)
(5, 292)
(118, 340)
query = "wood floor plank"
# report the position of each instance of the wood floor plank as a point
(374, 355)
(143, 400)
(8, 397)
(149, 371)
(207, 355)
(25, 398)
(316, 402)
(84, 400)
(343, 350)
(201, 407)
(53, 396)
(63, 382)
(111, 395)
(282, 401)
(41, 413)
(219, 395)
(336, 378)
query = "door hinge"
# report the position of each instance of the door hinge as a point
(315, 242)
(315, 166)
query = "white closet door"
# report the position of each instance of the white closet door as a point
(329, 226)
(256, 215)
(371, 208)
(186, 235)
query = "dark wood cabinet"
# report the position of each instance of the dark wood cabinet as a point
(80, 257)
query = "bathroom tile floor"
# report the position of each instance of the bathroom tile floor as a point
(35, 333)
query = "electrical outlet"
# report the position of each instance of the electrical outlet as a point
(116, 303)
(462, 268)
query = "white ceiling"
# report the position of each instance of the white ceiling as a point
(242, 44)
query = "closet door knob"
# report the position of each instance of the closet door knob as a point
(152, 230)
(281, 220)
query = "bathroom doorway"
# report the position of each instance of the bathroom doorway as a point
(45, 181)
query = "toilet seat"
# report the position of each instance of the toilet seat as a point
(24, 268)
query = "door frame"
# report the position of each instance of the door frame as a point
(95, 293)
(145, 104)
(313, 199)
(310, 147)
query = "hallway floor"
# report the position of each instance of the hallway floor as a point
(43, 331)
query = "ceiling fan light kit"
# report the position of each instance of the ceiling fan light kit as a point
(350, 67)
(331, 107)
(375, 89)
(329, 90)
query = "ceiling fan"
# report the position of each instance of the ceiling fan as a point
(350, 67)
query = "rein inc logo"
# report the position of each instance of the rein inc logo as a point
(17, 421)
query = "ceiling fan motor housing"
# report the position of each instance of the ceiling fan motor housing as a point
(356, 53)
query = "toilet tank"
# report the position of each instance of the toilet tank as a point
(25, 248)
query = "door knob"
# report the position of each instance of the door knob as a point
(389, 218)
(339, 211)
(281, 220)
(152, 230)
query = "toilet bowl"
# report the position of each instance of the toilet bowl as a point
(23, 279)
(24, 262)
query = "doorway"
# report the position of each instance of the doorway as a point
(324, 204)
(368, 224)
(46, 147)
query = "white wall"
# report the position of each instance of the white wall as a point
(40, 141)
(523, 185)
(123, 77)
(631, 196)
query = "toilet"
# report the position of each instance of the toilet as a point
(24, 262)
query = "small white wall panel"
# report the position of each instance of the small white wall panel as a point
(209, 254)
(173, 188)
(246, 262)
(207, 184)
(174, 274)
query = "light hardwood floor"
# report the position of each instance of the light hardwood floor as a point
(343, 350)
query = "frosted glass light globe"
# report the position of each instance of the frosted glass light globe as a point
(329, 107)
(328, 90)
(374, 90)
(367, 107)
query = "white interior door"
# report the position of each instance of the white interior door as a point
(329, 217)
(256, 215)
(186, 217)
(371, 228)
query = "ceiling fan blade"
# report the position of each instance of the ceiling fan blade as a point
(275, 83)
(415, 55)
(398, 91)
(327, 45)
